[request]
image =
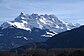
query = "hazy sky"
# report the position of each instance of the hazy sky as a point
(67, 10)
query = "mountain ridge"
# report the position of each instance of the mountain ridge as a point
(69, 39)
(31, 28)
(50, 22)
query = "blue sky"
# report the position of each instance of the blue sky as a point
(66, 10)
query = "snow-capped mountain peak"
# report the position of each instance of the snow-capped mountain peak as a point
(21, 17)
(50, 22)
(31, 28)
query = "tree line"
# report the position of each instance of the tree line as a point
(44, 52)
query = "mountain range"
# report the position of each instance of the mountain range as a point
(50, 22)
(33, 29)
(68, 39)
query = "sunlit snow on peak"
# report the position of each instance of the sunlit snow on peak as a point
(50, 22)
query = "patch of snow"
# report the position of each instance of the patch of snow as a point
(41, 20)
(62, 27)
(53, 19)
(44, 19)
(1, 34)
(25, 38)
(24, 21)
(68, 29)
(18, 37)
(21, 37)
(23, 18)
(52, 34)
(57, 26)
(46, 36)
(40, 26)
(19, 25)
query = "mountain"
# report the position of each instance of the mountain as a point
(50, 22)
(31, 29)
(69, 39)
(13, 37)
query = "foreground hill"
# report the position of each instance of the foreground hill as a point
(69, 39)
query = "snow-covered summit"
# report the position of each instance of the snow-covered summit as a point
(50, 22)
